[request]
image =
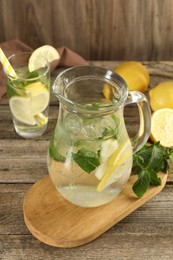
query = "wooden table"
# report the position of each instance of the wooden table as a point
(146, 233)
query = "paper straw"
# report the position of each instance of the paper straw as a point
(6, 65)
(40, 118)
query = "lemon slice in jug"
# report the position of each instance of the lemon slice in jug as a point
(111, 167)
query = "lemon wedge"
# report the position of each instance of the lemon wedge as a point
(20, 108)
(39, 97)
(110, 168)
(46, 51)
(162, 127)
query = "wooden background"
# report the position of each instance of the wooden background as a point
(96, 29)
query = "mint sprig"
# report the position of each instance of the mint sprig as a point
(147, 163)
(86, 159)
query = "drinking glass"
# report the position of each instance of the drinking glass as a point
(29, 95)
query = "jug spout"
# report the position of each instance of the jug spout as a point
(90, 90)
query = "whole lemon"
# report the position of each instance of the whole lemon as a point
(135, 74)
(161, 96)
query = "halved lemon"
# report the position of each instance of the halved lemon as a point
(20, 108)
(39, 97)
(118, 164)
(46, 51)
(162, 127)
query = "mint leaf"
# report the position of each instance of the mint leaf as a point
(156, 157)
(54, 152)
(147, 163)
(11, 91)
(142, 184)
(148, 155)
(86, 159)
(169, 153)
(109, 133)
(56, 155)
(15, 88)
(33, 74)
(171, 157)
(154, 179)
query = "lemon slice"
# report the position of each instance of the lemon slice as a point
(118, 164)
(46, 51)
(107, 149)
(20, 108)
(162, 127)
(39, 97)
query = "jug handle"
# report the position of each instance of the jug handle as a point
(143, 133)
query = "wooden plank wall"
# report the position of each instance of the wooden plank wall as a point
(96, 29)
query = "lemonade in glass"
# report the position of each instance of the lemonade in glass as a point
(29, 95)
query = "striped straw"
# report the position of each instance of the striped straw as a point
(40, 118)
(6, 65)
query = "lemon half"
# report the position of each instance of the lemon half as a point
(162, 127)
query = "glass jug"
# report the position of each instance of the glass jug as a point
(90, 153)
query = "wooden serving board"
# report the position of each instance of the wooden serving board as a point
(56, 222)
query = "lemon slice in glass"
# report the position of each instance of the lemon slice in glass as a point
(162, 127)
(39, 97)
(46, 51)
(111, 167)
(20, 108)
